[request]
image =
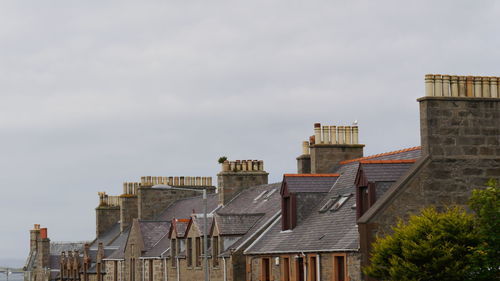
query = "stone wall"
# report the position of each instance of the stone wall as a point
(304, 164)
(232, 183)
(128, 210)
(152, 201)
(461, 152)
(106, 217)
(326, 156)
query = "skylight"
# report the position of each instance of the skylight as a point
(340, 202)
(328, 204)
(260, 195)
(270, 193)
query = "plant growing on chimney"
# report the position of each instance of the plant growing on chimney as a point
(222, 159)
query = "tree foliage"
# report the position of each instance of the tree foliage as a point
(449, 245)
(432, 246)
(486, 207)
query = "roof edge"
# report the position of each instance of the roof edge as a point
(381, 154)
(394, 190)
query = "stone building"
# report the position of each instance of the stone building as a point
(315, 225)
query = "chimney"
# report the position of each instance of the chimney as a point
(43, 248)
(459, 126)
(107, 212)
(304, 160)
(338, 143)
(232, 182)
(129, 203)
(34, 237)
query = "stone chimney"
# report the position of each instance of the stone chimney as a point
(34, 237)
(304, 160)
(43, 249)
(327, 147)
(107, 213)
(460, 121)
(128, 204)
(237, 175)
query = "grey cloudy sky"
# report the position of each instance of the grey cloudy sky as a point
(94, 93)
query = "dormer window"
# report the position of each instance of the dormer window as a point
(288, 213)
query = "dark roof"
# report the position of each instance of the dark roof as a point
(327, 231)
(57, 247)
(248, 202)
(236, 224)
(183, 208)
(158, 248)
(180, 226)
(152, 232)
(198, 221)
(334, 230)
(107, 237)
(309, 183)
(378, 172)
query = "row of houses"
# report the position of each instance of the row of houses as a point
(317, 224)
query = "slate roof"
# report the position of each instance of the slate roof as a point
(198, 220)
(333, 230)
(328, 231)
(152, 232)
(309, 183)
(108, 237)
(183, 208)
(252, 201)
(57, 247)
(236, 224)
(159, 248)
(377, 172)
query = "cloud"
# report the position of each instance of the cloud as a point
(96, 93)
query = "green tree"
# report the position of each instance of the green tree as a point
(430, 246)
(486, 207)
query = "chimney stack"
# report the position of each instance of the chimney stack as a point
(338, 143)
(437, 85)
(241, 174)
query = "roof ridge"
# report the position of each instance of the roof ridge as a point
(381, 154)
(398, 161)
(311, 175)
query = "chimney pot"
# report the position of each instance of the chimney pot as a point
(261, 165)
(454, 86)
(486, 87)
(469, 84)
(494, 87)
(477, 86)
(312, 140)
(181, 181)
(462, 87)
(446, 85)
(225, 166)
(43, 233)
(348, 135)
(438, 85)
(317, 133)
(305, 148)
(429, 85)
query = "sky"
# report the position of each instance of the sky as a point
(95, 93)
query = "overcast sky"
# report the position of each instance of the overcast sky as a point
(94, 93)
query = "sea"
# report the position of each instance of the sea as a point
(12, 277)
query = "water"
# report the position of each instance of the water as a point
(12, 277)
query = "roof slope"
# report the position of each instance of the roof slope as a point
(310, 182)
(183, 208)
(152, 232)
(334, 230)
(236, 224)
(261, 201)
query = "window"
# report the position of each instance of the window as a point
(270, 193)
(299, 268)
(328, 204)
(189, 252)
(173, 251)
(198, 251)
(339, 268)
(260, 196)
(286, 269)
(215, 251)
(340, 202)
(132, 269)
(150, 270)
(115, 271)
(288, 212)
(312, 268)
(266, 270)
